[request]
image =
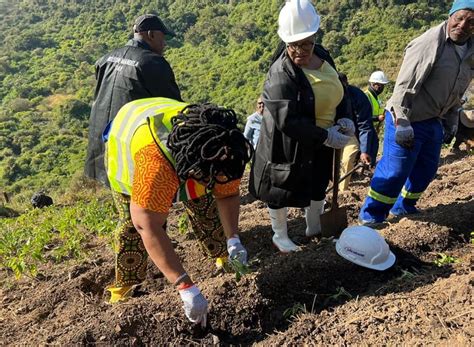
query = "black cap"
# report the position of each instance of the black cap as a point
(151, 22)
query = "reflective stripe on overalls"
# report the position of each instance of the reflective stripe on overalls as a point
(402, 175)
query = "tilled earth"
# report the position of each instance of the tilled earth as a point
(310, 297)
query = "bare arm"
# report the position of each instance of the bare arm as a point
(229, 209)
(149, 225)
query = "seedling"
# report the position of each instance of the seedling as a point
(240, 269)
(406, 275)
(183, 224)
(444, 259)
(472, 237)
(341, 293)
(294, 310)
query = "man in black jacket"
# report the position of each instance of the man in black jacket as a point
(135, 71)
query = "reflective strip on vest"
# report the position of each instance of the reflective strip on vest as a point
(409, 195)
(120, 166)
(380, 197)
(162, 132)
(377, 110)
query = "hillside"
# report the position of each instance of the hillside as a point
(309, 297)
(56, 262)
(221, 55)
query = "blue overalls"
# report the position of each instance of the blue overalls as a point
(402, 175)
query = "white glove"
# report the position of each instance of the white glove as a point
(195, 305)
(335, 138)
(347, 126)
(236, 250)
(405, 136)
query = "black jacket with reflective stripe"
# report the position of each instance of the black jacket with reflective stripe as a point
(126, 74)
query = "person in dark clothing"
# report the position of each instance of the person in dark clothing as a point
(136, 71)
(293, 160)
(365, 139)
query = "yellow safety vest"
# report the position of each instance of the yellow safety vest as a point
(377, 108)
(157, 112)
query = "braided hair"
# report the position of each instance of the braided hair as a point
(207, 145)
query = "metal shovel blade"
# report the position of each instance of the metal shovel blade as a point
(334, 221)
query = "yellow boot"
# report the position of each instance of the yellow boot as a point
(118, 294)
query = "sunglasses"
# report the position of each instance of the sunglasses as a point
(303, 46)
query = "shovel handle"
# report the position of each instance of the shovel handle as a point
(359, 165)
(335, 175)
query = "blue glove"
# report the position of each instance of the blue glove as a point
(194, 305)
(236, 250)
(405, 136)
(347, 126)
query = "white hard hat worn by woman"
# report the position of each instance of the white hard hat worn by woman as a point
(378, 77)
(298, 20)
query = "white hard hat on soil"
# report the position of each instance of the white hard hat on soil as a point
(364, 246)
(378, 77)
(467, 118)
(298, 20)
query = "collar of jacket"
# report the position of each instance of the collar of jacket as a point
(139, 43)
(293, 69)
(373, 92)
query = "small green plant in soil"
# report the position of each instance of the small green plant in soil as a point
(340, 294)
(294, 310)
(237, 267)
(406, 275)
(444, 259)
(183, 224)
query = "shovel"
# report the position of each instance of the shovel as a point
(334, 221)
(360, 165)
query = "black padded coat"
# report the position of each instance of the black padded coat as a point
(284, 161)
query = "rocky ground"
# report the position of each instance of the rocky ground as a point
(310, 297)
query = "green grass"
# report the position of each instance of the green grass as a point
(52, 234)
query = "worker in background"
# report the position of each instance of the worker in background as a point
(138, 70)
(254, 121)
(377, 82)
(364, 136)
(435, 73)
(159, 151)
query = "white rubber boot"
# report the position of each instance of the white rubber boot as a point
(280, 238)
(313, 221)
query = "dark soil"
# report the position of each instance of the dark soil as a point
(310, 297)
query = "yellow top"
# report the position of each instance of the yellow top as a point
(328, 93)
